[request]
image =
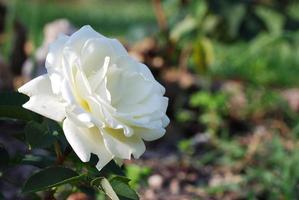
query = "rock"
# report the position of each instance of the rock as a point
(150, 195)
(157, 62)
(155, 181)
(292, 97)
(174, 186)
(223, 179)
(78, 196)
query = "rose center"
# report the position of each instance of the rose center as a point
(85, 105)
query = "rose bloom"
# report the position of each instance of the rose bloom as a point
(108, 102)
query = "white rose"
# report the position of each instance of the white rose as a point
(108, 102)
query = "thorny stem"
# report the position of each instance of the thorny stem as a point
(58, 152)
(60, 157)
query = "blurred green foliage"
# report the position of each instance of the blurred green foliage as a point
(256, 41)
(252, 43)
(46, 136)
(268, 60)
(213, 108)
(275, 172)
(114, 18)
(256, 45)
(137, 174)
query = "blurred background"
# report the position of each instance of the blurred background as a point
(231, 72)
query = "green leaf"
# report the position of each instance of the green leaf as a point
(185, 26)
(56, 131)
(137, 174)
(13, 98)
(50, 177)
(40, 161)
(273, 20)
(120, 184)
(109, 169)
(103, 184)
(112, 168)
(37, 135)
(235, 15)
(4, 157)
(53, 127)
(117, 188)
(11, 106)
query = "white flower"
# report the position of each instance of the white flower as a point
(107, 101)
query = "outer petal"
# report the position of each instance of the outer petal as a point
(129, 64)
(145, 71)
(122, 146)
(165, 121)
(153, 104)
(118, 48)
(85, 141)
(150, 134)
(77, 40)
(95, 50)
(54, 63)
(42, 100)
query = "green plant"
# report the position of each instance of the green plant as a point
(268, 60)
(274, 171)
(137, 175)
(57, 166)
(213, 107)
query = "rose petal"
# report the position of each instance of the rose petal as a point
(66, 92)
(151, 105)
(93, 54)
(118, 48)
(78, 39)
(78, 115)
(42, 100)
(37, 86)
(85, 141)
(135, 87)
(82, 85)
(97, 78)
(103, 112)
(129, 64)
(122, 146)
(145, 71)
(165, 121)
(150, 134)
(54, 62)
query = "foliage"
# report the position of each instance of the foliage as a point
(272, 177)
(252, 41)
(137, 175)
(242, 141)
(213, 108)
(269, 60)
(57, 167)
(97, 13)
